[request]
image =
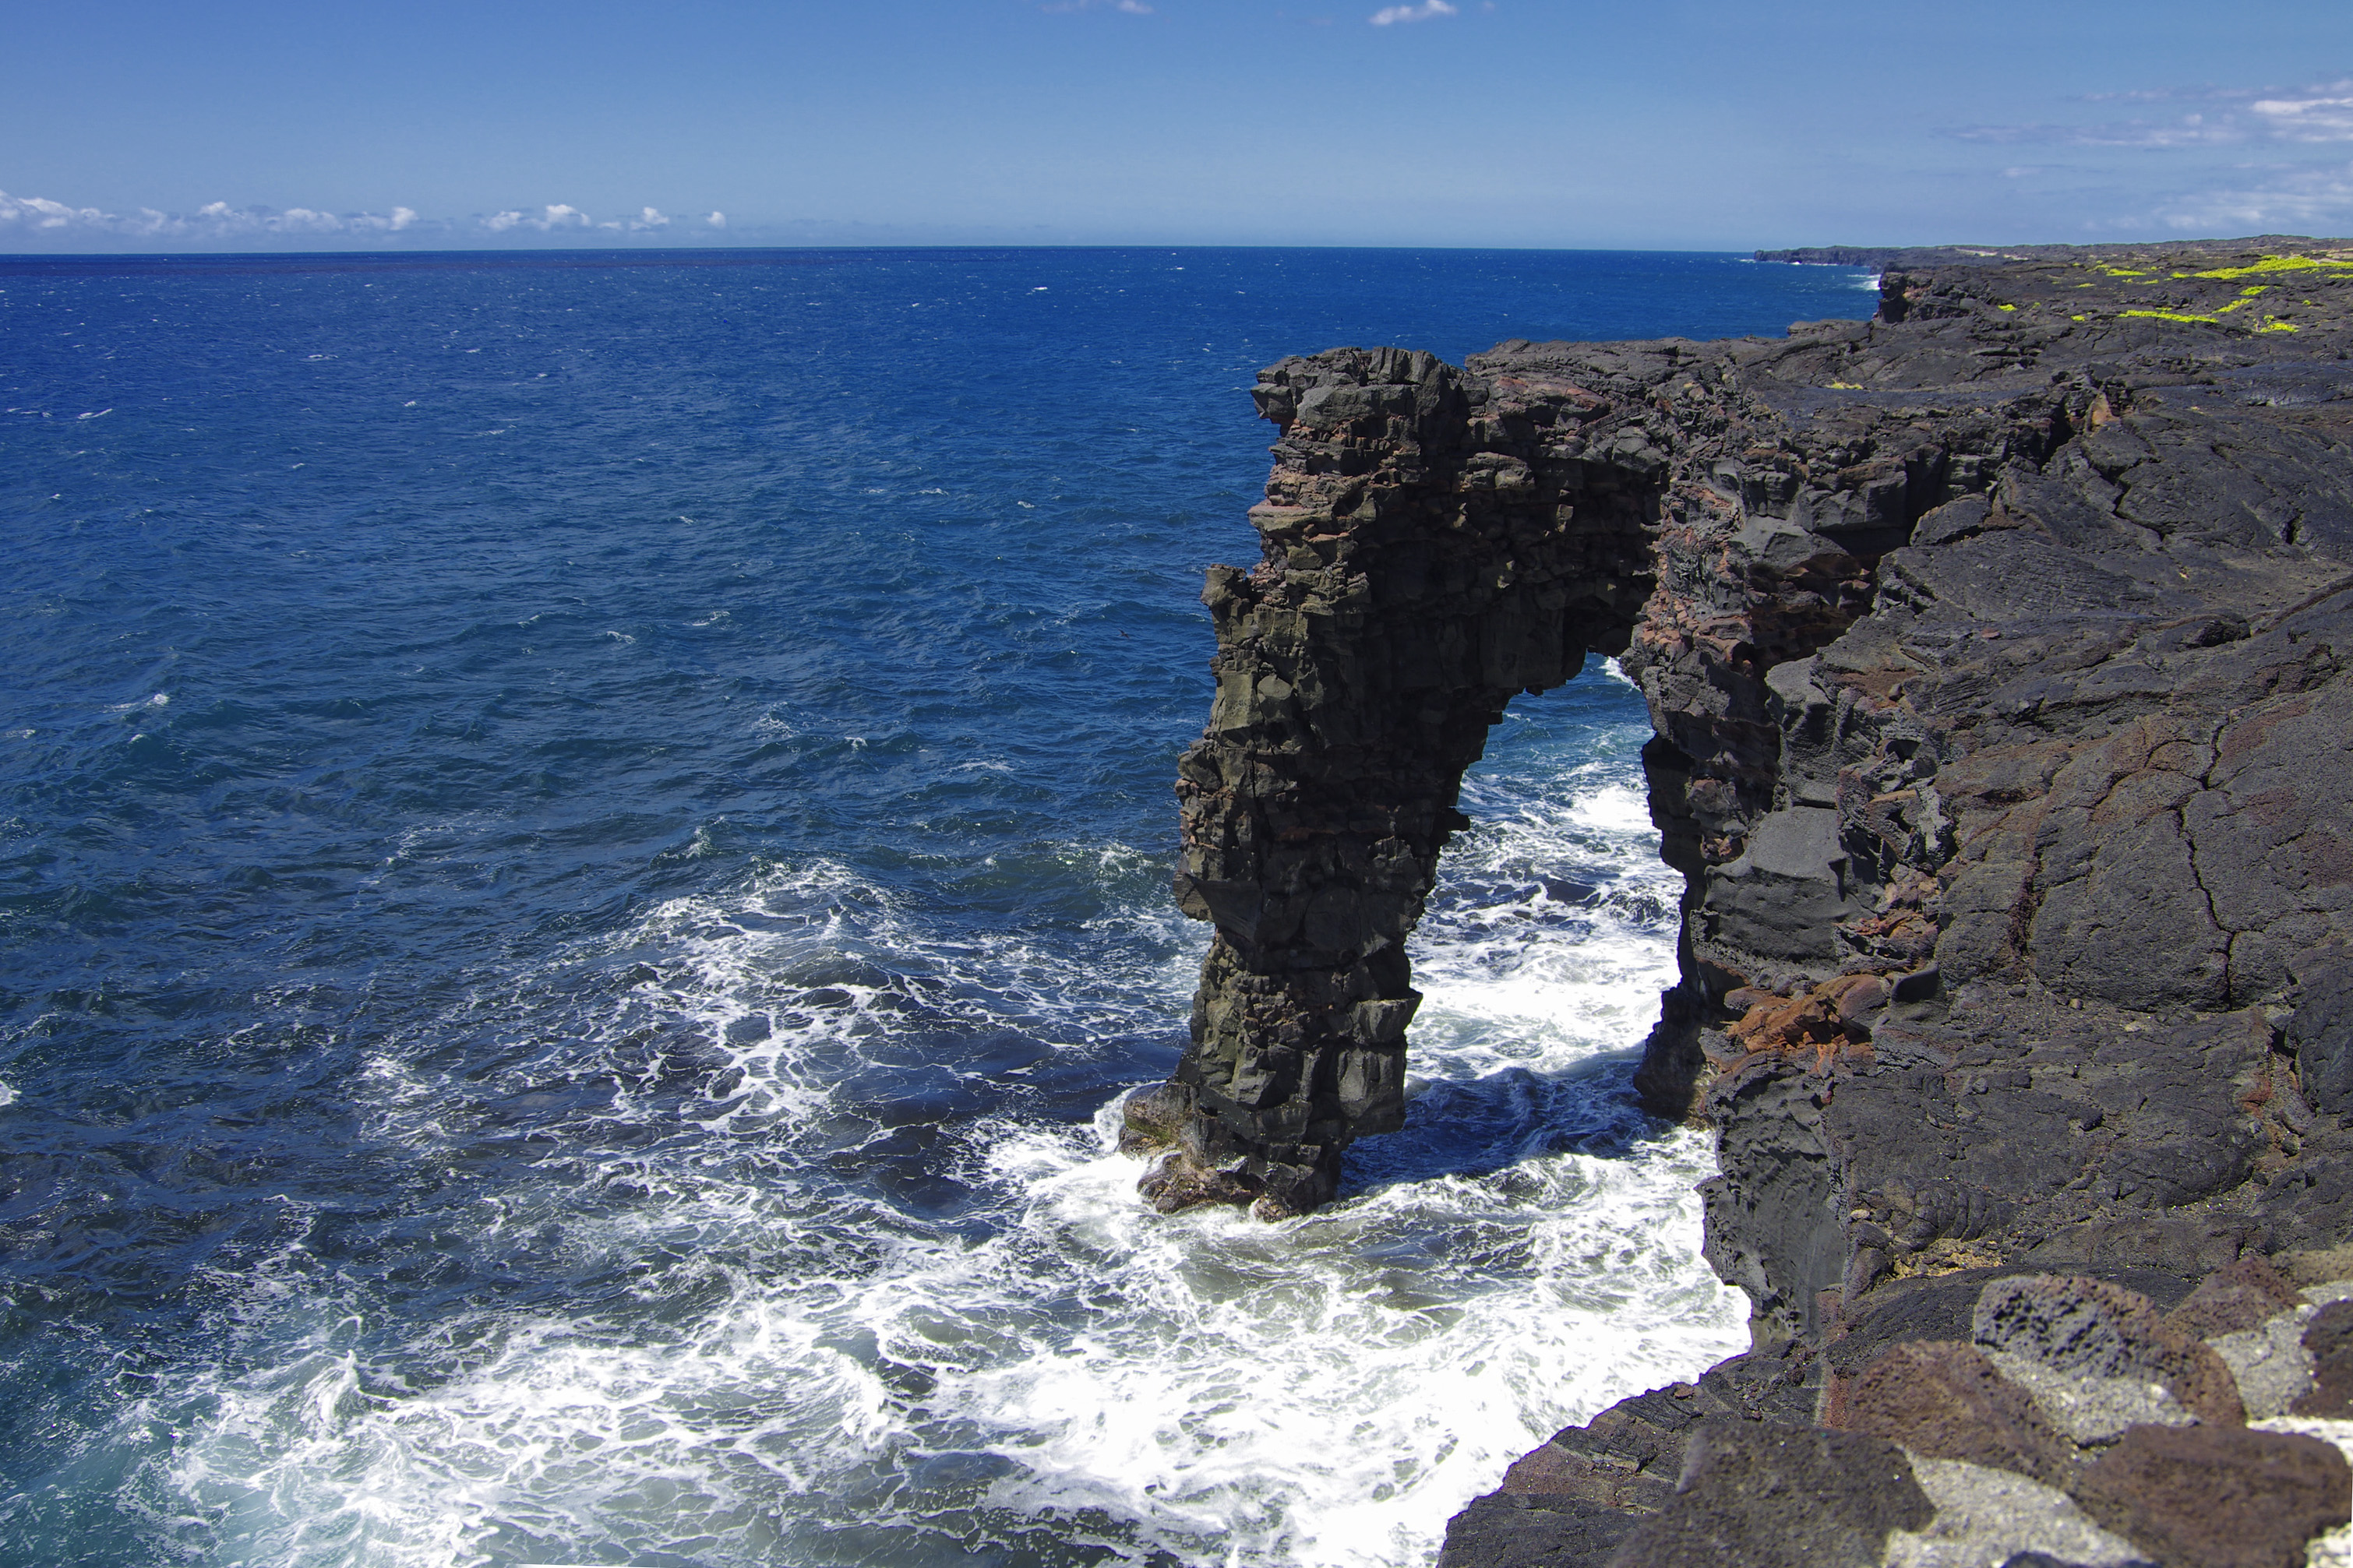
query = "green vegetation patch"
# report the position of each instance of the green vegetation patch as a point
(2270, 264)
(2270, 323)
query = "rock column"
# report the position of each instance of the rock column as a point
(1432, 547)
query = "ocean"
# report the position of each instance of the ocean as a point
(584, 853)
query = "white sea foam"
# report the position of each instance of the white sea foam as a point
(789, 1352)
(1613, 809)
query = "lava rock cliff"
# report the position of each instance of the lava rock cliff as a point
(1996, 649)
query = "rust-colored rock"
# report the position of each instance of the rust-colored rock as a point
(2234, 1298)
(1818, 1026)
(2212, 1497)
(1944, 1400)
(2093, 1329)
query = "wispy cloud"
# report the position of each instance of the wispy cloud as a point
(558, 214)
(1133, 8)
(1388, 15)
(2316, 197)
(2315, 114)
(214, 220)
(40, 217)
(2316, 117)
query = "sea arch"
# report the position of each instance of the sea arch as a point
(1434, 543)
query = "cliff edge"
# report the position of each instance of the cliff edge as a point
(1996, 652)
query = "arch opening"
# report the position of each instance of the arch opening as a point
(1432, 545)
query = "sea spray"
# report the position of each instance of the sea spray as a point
(576, 1035)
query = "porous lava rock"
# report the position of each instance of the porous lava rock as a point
(1758, 1495)
(2329, 1339)
(2089, 1328)
(1995, 650)
(1944, 1400)
(2208, 1497)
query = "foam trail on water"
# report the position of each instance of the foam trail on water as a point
(835, 1290)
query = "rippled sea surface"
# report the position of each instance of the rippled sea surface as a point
(583, 862)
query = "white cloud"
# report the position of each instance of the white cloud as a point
(32, 217)
(2190, 130)
(40, 213)
(2319, 113)
(2317, 198)
(2322, 115)
(1133, 8)
(1422, 12)
(558, 214)
(213, 221)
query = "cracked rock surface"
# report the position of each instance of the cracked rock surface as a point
(1962, 1453)
(1996, 651)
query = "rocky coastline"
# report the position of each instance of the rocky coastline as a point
(1995, 650)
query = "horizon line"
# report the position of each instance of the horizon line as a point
(722, 254)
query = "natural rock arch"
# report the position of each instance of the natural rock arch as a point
(1433, 544)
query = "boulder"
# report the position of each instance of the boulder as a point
(2215, 1497)
(1758, 1495)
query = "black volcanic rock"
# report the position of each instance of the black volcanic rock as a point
(2093, 1329)
(1758, 1495)
(2321, 1034)
(1993, 652)
(1996, 650)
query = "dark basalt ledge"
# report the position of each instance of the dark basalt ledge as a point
(1996, 651)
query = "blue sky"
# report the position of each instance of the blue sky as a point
(135, 124)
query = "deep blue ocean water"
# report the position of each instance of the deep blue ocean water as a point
(582, 857)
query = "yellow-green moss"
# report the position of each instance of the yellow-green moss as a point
(2270, 264)
(2270, 323)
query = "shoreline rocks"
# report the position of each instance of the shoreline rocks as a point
(1993, 1439)
(1996, 651)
